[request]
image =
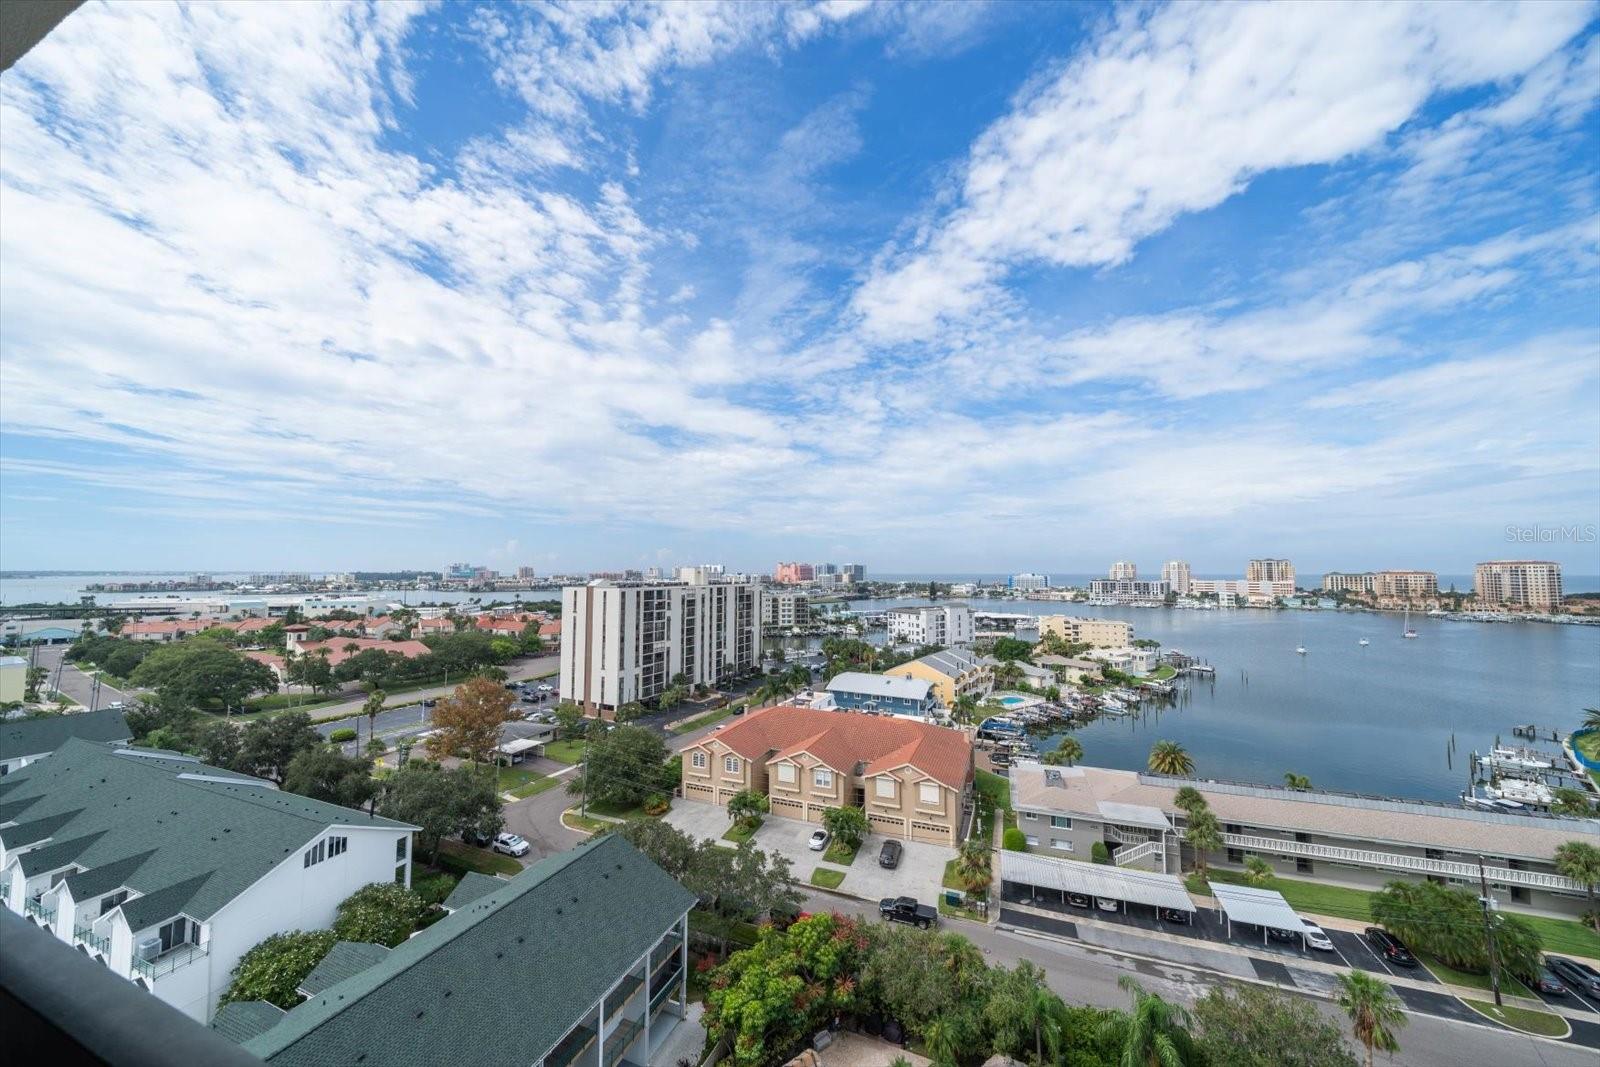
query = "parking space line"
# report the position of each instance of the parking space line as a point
(1368, 950)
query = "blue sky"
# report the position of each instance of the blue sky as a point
(930, 286)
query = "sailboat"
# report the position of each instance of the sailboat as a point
(1408, 631)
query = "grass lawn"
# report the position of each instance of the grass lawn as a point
(456, 854)
(1534, 1022)
(741, 831)
(616, 811)
(700, 721)
(839, 853)
(1466, 979)
(827, 877)
(567, 750)
(1163, 672)
(996, 788)
(522, 783)
(952, 882)
(583, 822)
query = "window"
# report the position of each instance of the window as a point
(113, 900)
(730, 764)
(786, 773)
(929, 793)
(1060, 822)
(179, 931)
(1061, 844)
(338, 846)
(1030, 816)
(399, 849)
(822, 778)
(698, 761)
(1033, 841)
(316, 853)
(885, 787)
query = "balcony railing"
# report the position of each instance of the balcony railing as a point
(84, 934)
(617, 1044)
(168, 961)
(1395, 861)
(1134, 853)
(1124, 836)
(36, 907)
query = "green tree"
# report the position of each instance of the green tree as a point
(1068, 750)
(267, 746)
(1169, 757)
(622, 767)
(1155, 1033)
(973, 868)
(746, 804)
(917, 978)
(1014, 840)
(218, 743)
(1189, 800)
(1296, 781)
(468, 722)
(1024, 1014)
(1449, 925)
(1252, 1026)
(1257, 871)
(1012, 648)
(372, 707)
(204, 673)
(1204, 834)
(327, 774)
(1580, 861)
(630, 712)
(275, 968)
(664, 844)
(1099, 853)
(1374, 1011)
(569, 717)
(1570, 801)
(31, 682)
(441, 802)
(383, 913)
(314, 672)
(532, 643)
(847, 825)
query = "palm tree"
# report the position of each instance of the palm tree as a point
(1296, 781)
(1580, 861)
(1190, 800)
(371, 708)
(1040, 1011)
(1169, 757)
(966, 707)
(1374, 1011)
(1204, 835)
(1068, 751)
(1154, 1033)
(972, 867)
(948, 1037)
(1591, 718)
(1257, 871)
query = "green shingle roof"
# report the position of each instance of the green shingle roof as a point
(200, 843)
(243, 1019)
(346, 959)
(471, 887)
(30, 737)
(538, 952)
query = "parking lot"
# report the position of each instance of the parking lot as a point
(919, 874)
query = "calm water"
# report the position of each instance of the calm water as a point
(1375, 720)
(65, 590)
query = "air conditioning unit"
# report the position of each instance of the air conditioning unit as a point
(148, 949)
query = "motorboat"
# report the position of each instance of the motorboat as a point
(1408, 632)
(1300, 649)
(1518, 758)
(1363, 642)
(1535, 793)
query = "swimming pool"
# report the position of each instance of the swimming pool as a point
(1011, 702)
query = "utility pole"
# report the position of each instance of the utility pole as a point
(1488, 927)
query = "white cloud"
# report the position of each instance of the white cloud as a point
(1173, 111)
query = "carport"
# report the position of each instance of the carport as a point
(1265, 908)
(1094, 880)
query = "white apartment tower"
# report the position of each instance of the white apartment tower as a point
(1029, 582)
(1522, 583)
(933, 624)
(1123, 571)
(625, 641)
(1175, 572)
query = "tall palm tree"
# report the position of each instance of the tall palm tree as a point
(1188, 799)
(1257, 871)
(973, 868)
(1580, 861)
(1041, 1012)
(1296, 781)
(371, 709)
(1169, 757)
(1068, 751)
(1374, 1011)
(966, 708)
(1204, 835)
(1155, 1033)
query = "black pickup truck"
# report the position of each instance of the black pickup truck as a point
(907, 910)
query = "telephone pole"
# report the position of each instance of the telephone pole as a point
(1488, 928)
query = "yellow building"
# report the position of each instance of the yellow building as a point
(953, 673)
(13, 678)
(1097, 633)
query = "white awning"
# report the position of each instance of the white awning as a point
(521, 744)
(1095, 880)
(1258, 907)
(1134, 815)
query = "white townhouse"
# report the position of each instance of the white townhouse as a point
(168, 870)
(24, 741)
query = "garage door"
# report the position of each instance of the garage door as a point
(790, 809)
(703, 793)
(885, 824)
(924, 831)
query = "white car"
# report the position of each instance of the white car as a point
(510, 844)
(547, 688)
(1106, 904)
(1316, 938)
(819, 840)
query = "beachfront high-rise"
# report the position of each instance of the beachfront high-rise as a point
(625, 641)
(793, 573)
(1175, 572)
(1519, 583)
(1028, 583)
(1269, 570)
(1123, 570)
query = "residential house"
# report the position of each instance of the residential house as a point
(1030, 675)
(1129, 660)
(883, 694)
(1070, 670)
(1340, 838)
(169, 870)
(913, 779)
(22, 741)
(163, 630)
(580, 960)
(954, 673)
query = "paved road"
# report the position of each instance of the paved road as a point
(74, 683)
(399, 716)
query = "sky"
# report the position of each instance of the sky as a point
(928, 286)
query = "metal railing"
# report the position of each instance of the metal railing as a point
(36, 907)
(168, 962)
(1134, 853)
(1398, 862)
(1128, 837)
(84, 934)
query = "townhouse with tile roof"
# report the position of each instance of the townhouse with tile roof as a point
(581, 959)
(168, 870)
(913, 779)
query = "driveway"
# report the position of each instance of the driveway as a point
(919, 875)
(699, 820)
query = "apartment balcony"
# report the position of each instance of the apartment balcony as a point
(1124, 836)
(169, 961)
(36, 908)
(572, 1046)
(1394, 861)
(84, 934)
(620, 1039)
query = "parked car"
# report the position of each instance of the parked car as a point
(907, 910)
(511, 845)
(115, 705)
(738, 709)
(1078, 900)
(1389, 948)
(512, 687)
(546, 687)
(819, 839)
(430, 702)
(1287, 937)
(1316, 939)
(1176, 915)
(1579, 976)
(1107, 904)
(889, 857)
(1547, 983)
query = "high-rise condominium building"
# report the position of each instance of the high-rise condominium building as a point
(936, 624)
(702, 573)
(1175, 572)
(1028, 583)
(625, 642)
(1123, 571)
(1127, 590)
(793, 573)
(784, 608)
(1524, 583)
(1342, 582)
(1408, 584)
(1270, 570)
(1100, 633)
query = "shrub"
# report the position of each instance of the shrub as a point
(1015, 840)
(273, 970)
(656, 804)
(341, 735)
(1099, 853)
(384, 913)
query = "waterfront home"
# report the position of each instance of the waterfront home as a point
(22, 741)
(167, 870)
(1037, 677)
(1318, 836)
(1099, 633)
(1070, 670)
(1129, 660)
(885, 694)
(913, 779)
(953, 673)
